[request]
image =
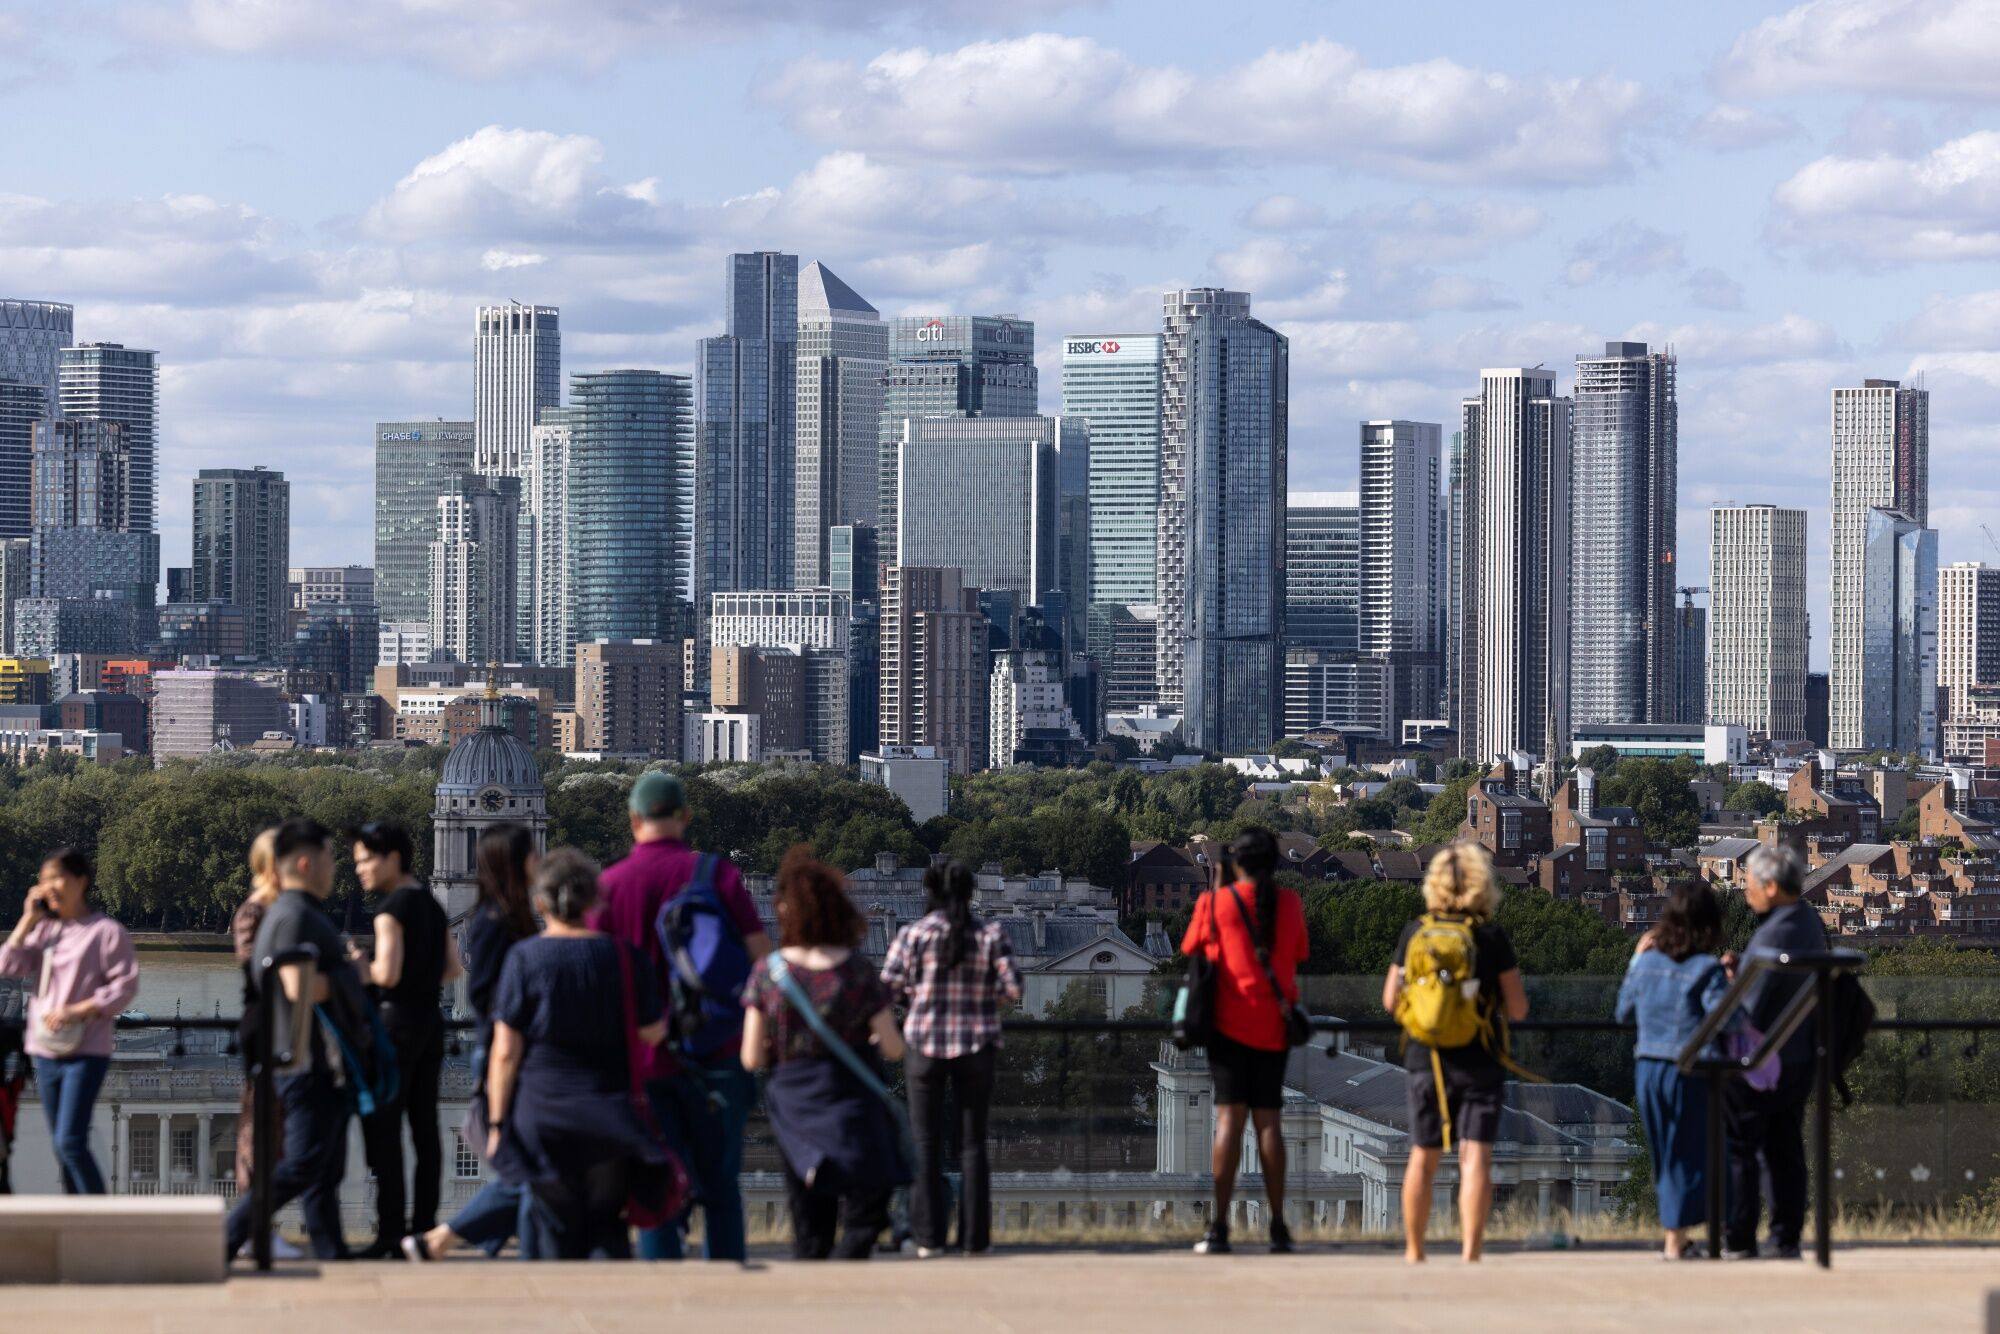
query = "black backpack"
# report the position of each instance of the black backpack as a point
(1853, 1016)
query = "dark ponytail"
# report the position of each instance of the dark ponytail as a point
(1254, 853)
(950, 887)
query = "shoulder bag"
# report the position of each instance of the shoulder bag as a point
(660, 1190)
(795, 996)
(64, 1039)
(1194, 1006)
(1298, 1023)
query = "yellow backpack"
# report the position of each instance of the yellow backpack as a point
(1440, 1008)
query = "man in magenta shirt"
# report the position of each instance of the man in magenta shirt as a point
(700, 1108)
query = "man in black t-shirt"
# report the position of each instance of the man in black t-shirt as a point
(414, 956)
(312, 1154)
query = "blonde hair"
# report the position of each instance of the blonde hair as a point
(1460, 880)
(264, 868)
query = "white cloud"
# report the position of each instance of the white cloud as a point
(497, 260)
(490, 38)
(1047, 103)
(1899, 48)
(184, 246)
(1715, 290)
(1728, 127)
(1942, 205)
(1963, 322)
(1626, 249)
(1284, 213)
(1732, 345)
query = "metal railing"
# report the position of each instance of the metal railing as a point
(1812, 999)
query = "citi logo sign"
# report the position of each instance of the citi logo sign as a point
(1080, 347)
(931, 331)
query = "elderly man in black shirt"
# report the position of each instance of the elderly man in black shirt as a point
(1769, 1127)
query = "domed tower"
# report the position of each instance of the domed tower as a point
(489, 778)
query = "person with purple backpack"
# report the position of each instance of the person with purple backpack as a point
(689, 913)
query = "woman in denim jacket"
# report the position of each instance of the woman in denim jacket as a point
(1673, 981)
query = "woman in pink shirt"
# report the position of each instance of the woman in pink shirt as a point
(82, 971)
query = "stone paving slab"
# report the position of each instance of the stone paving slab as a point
(1888, 1288)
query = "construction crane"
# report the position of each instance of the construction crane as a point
(1991, 540)
(1688, 591)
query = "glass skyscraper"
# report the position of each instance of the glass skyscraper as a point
(1899, 582)
(1401, 530)
(1326, 682)
(243, 548)
(980, 495)
(843, 347)
(22, 405)
(33, 335)
(1881, 459)
(517, 371)
(745, 430)
(415, 463)
(113, 383)
(1112, 381)
(950, 366)
(625, 547)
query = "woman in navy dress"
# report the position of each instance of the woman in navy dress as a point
(558, 1087)
(1672, 983)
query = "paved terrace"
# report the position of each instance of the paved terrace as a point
(1901, 1288)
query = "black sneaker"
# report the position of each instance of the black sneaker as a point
(1281, 1237)
(1213, 1242)
(1778, 1250)
(1739, 1253)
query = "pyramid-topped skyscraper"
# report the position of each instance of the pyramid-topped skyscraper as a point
(842, 351)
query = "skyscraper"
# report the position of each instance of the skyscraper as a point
(1881, 460)
(1401, 531)
(1183, 309)
(415, 463)
(1451, 626)
(745, 430)
(1514, 603)
(625, 547)
(243, 548)
(979, 495)
(1757, 619)
(853, 565)
(1326, 682)
(85, 542)
(113, 383)
(949, 366)
(1968, 612)
(473, 567)
(1112, 381)
(33, 335)
(843, 347)
(548, 500)
(22, 405)
(517, 371)
(934, 686)
(1899, 585)
(1624, 452)
(1691, 675)
(1221, 562)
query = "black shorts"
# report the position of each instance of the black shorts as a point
(1246, 1075)
(1476, 1101)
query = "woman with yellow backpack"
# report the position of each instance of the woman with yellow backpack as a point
(1454, 987)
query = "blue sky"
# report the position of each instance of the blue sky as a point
(299, 202)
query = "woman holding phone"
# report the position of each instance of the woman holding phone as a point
(83, 971)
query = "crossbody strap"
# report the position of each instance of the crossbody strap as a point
(781, 973)
(48, 963)
(1263, 955)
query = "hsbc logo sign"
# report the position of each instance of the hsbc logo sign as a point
(1086, 347)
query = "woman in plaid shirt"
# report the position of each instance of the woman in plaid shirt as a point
(952, 971)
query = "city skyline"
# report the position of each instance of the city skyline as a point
(300, 288)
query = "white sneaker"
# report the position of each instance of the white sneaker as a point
(928, 1253)
(282, 1249)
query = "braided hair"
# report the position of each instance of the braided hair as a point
(1254, 853)
(950, 888)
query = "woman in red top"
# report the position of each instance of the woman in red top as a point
(1246, 912)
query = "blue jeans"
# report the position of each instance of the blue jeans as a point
(490, 1217)
(701, 1112)
(69, 1086)
(311, 1161)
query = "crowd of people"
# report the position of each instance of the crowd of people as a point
(623, 1017)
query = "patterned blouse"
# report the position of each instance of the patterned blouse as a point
(847, 995)
(953, 1011)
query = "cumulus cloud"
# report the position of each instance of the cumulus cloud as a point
(1940, 205)
(1284, 213)
(184, 246)
(1728, 127)
(1899, 48)
(1968, 321)
(1047, 103)
(1715, 290)
(489, 38)
(1626, 249)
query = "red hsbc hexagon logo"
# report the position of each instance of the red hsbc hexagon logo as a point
(1110, 345)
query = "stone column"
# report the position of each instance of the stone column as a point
(121, 1151)
(204, 1152)
(1542, 1202)
(166, 1150)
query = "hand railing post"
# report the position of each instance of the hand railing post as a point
(1823, 1076)
(263, 1112)
(1718, 1158)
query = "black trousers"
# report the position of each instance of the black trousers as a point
(829, 1223)
(419, 1043)
(312, 1157)
(969, 1079)
(1768, 1128)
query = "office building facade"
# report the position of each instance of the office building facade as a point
(109, 382)
(1401, 536)
(1624, 461)
(243, 548)
(314, 585)
(981, 495)
(1881, 460)
(23, 407)
(1691, 672)
(517, 372)
(625, 548)
(199, 712)
(548, 501)
(1899, 584)
(628, 697)
(474, 565)
(33, 335)
(1757, 619)
(934, 689)
(854, 564)
(1221, 562)
(843, 349)
(415, 463)
(1112, 382)
(1514, 612)
(949, 366)
(1968, 612)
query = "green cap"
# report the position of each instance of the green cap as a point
(656, 795)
